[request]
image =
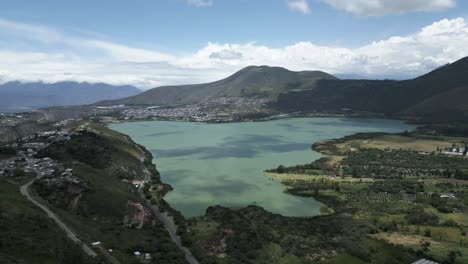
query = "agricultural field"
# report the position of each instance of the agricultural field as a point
(420, 143)
(404, 187)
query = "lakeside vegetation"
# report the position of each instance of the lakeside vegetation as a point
(390, 198)
(403, 187)
(383, 195)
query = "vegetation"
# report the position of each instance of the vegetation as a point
(7, 152)
(389, 195)
(105, 162)
(29, 235)
(436, 96)
(254, 81)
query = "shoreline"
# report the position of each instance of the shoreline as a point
(171, 209)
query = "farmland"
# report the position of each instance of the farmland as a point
(409, 189)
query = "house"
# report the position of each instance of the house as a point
(137, 183)
(448, 195)
(137, 253)
(147, 256)
(424, 261)
(96, 244)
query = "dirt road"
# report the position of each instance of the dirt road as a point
(161, 217)
(25, 191)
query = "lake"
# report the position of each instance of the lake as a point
(223, 164)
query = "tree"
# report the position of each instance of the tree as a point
(427, 232)
(280, 169)
(452, 256)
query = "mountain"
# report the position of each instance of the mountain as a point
(17, 96)
(253, 81)
(439, 95)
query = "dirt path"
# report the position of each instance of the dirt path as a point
(25, 191)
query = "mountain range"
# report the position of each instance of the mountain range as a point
(18, 96)
(441, 94)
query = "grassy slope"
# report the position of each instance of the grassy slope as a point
(28, 235)
(105, 206)
(252, 235)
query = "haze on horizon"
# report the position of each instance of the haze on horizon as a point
(167, 42)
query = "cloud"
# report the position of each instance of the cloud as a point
(32, 53)
(200, 2)
(301, 6)
(41, 33)
(226, 55)
(124, 53)
(387, 7)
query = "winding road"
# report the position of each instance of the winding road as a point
(161, 217)
(171, 229)
(26, 192)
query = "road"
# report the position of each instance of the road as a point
(161, 217)
(25, 191)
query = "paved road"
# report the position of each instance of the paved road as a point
(161, 217)
(25, 191)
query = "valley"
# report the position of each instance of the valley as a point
(367, 190)
(234, 132)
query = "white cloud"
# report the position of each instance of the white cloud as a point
(301, 6)
(386, 7)
(201, 2)
(58, 56)
(124, 53)
(41, 33)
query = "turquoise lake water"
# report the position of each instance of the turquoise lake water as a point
(223, 164)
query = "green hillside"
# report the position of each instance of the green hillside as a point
(252, 81)
(28, 235)
(439, 95)
(98, 205)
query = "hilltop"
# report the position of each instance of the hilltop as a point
(250, 82)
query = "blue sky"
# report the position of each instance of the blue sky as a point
(158, 42)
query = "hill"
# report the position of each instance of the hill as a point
(98, 200)
(250, 82)
(17, 96)
(29, 235)
(439, 95)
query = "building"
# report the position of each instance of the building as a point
(96, 244)
(448, 195)
(424, 261)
